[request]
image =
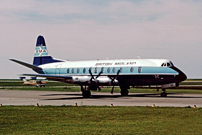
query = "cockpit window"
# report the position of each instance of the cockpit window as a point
(167, 64)
(171, 63)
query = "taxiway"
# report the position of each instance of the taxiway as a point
(21, 97)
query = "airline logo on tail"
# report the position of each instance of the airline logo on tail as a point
(41, 51)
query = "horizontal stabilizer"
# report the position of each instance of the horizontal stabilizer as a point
(26, 64)
(49, 76)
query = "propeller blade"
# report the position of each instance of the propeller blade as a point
(112, 81)
(99, 74)
(91, 74)
(118, 73)
(112, 91)
(94, 81)
(92, 77)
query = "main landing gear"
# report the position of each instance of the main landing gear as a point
(164, 93)
(124, 91)
(85, 93)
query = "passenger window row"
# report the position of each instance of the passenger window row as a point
(95, 70)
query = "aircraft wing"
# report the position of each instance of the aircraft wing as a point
(51, 77)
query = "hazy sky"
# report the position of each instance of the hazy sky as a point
(96, 29)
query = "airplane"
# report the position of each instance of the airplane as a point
(34, 82)
(90, 75)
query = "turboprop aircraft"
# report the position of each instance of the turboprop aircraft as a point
(90, 75)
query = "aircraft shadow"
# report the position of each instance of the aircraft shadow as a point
(79, 96)
(62, 95)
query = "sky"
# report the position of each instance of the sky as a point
(101, 29)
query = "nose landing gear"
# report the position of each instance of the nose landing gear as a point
(164, 93)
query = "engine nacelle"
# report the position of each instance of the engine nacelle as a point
(104, 80)
(81, 79)
(99, 80)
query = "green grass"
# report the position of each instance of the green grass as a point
(99, 120)
(17, 82)
(60, 86)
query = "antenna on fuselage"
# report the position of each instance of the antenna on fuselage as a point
(107, 58)
(139, 57)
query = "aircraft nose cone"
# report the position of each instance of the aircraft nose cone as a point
(181, 76)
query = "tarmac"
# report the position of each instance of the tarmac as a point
(55, 98)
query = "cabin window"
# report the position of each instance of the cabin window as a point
(68, 70)
(139, 69)
(131, 69)
(72, 70)
(102, 69)
(96, 70)
(77, 70)
(84, 70)
(114, 70)
(108, 70)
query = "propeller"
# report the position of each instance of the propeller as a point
(112, 81)
(94, 80)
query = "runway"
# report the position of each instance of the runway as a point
(22, 97)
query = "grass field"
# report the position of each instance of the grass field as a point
(17, 84)
(99, 120)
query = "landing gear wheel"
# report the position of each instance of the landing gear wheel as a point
(124, 92)
(86, 93)
(163, 94)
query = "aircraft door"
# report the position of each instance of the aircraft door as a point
(57, 69)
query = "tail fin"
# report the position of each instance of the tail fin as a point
(41, 55)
